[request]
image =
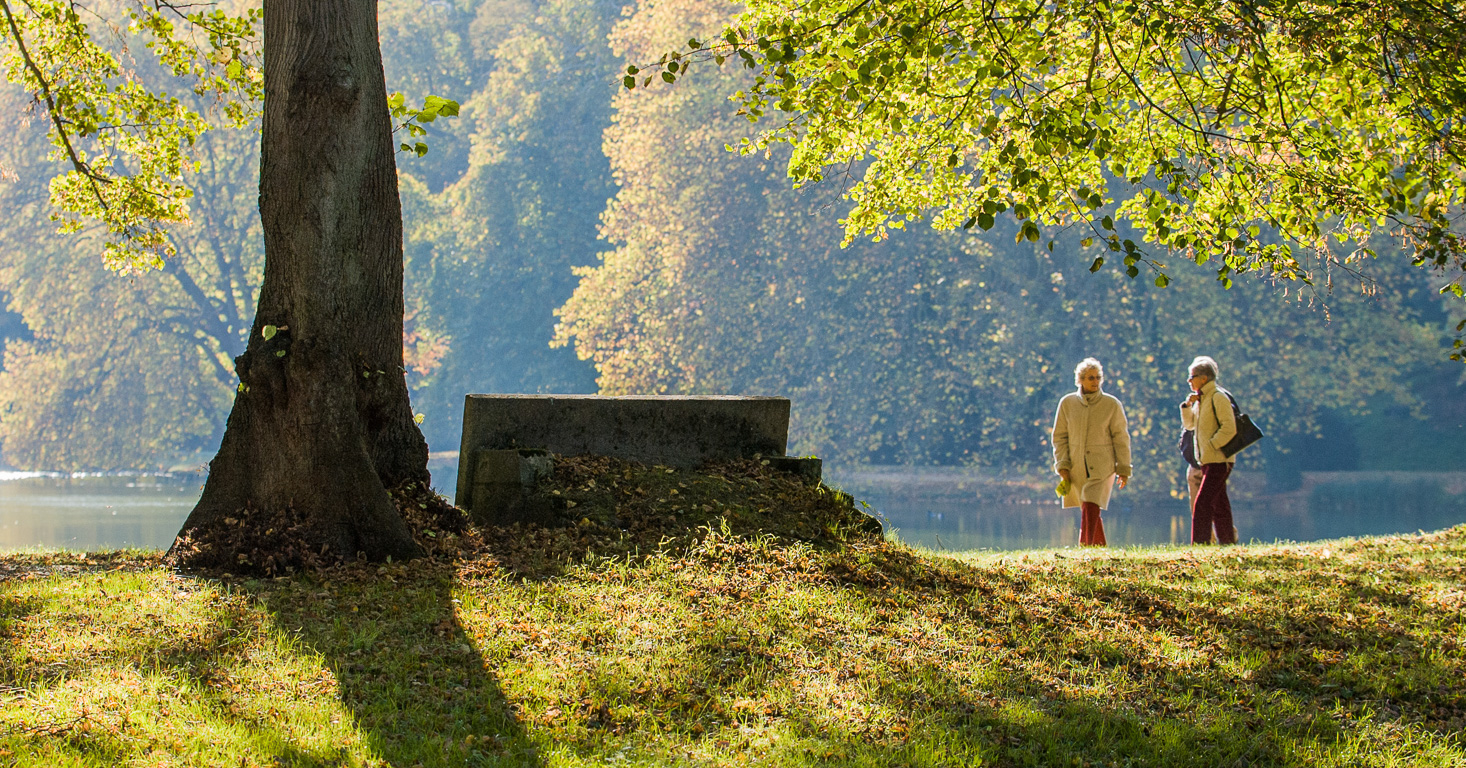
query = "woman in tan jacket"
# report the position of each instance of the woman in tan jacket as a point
(1208, 412)
(1091, 448)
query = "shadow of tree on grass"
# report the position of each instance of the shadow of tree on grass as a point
(408, 673)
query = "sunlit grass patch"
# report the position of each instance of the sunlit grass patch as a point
(116, 667)
(737, 649)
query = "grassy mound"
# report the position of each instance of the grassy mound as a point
(605, 507)
(594, 506)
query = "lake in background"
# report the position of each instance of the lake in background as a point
(938, 508)
(953, 509)
(94, 511)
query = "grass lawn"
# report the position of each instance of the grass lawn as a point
(733, 649)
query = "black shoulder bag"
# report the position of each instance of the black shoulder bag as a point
(1247, 432)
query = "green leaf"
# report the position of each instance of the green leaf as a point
(1098, 262)
(269, 331)
(669, 77)
(1161, 281)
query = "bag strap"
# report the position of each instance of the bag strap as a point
(1236, 411)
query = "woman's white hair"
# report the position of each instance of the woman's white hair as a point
(1088, 364)
(1205, 366)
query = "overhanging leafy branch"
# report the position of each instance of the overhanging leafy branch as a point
(128, 142)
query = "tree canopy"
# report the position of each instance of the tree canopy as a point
(1278, 136)
(931, 347)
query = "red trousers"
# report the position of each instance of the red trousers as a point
(1091, 527)
(1213, 508)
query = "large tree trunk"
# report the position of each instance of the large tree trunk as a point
(322, 425)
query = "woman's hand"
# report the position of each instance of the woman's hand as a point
(1123, 480)
(1064, 473)
(1194, 398)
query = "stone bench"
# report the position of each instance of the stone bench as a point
(507, 439)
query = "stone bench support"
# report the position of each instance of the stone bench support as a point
(500, 478)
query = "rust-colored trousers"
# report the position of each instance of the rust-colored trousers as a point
(1212, 507)
(1091, 527)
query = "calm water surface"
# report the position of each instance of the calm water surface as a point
(939, 509)
(955, 511)
(95, 512)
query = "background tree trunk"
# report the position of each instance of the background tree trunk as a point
(322, 424)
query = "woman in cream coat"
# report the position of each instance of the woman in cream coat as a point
(1091, 448)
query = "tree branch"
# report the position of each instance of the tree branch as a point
(81, 166)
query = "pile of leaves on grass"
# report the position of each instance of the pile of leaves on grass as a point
(441, 529)
(268, 542)
(278, 542)
(608, 507)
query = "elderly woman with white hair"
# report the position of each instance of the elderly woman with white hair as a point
(1091, 448)
(1208, 411)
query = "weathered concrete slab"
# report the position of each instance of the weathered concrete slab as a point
(676, 431)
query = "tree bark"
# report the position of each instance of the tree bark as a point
(322, 424)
